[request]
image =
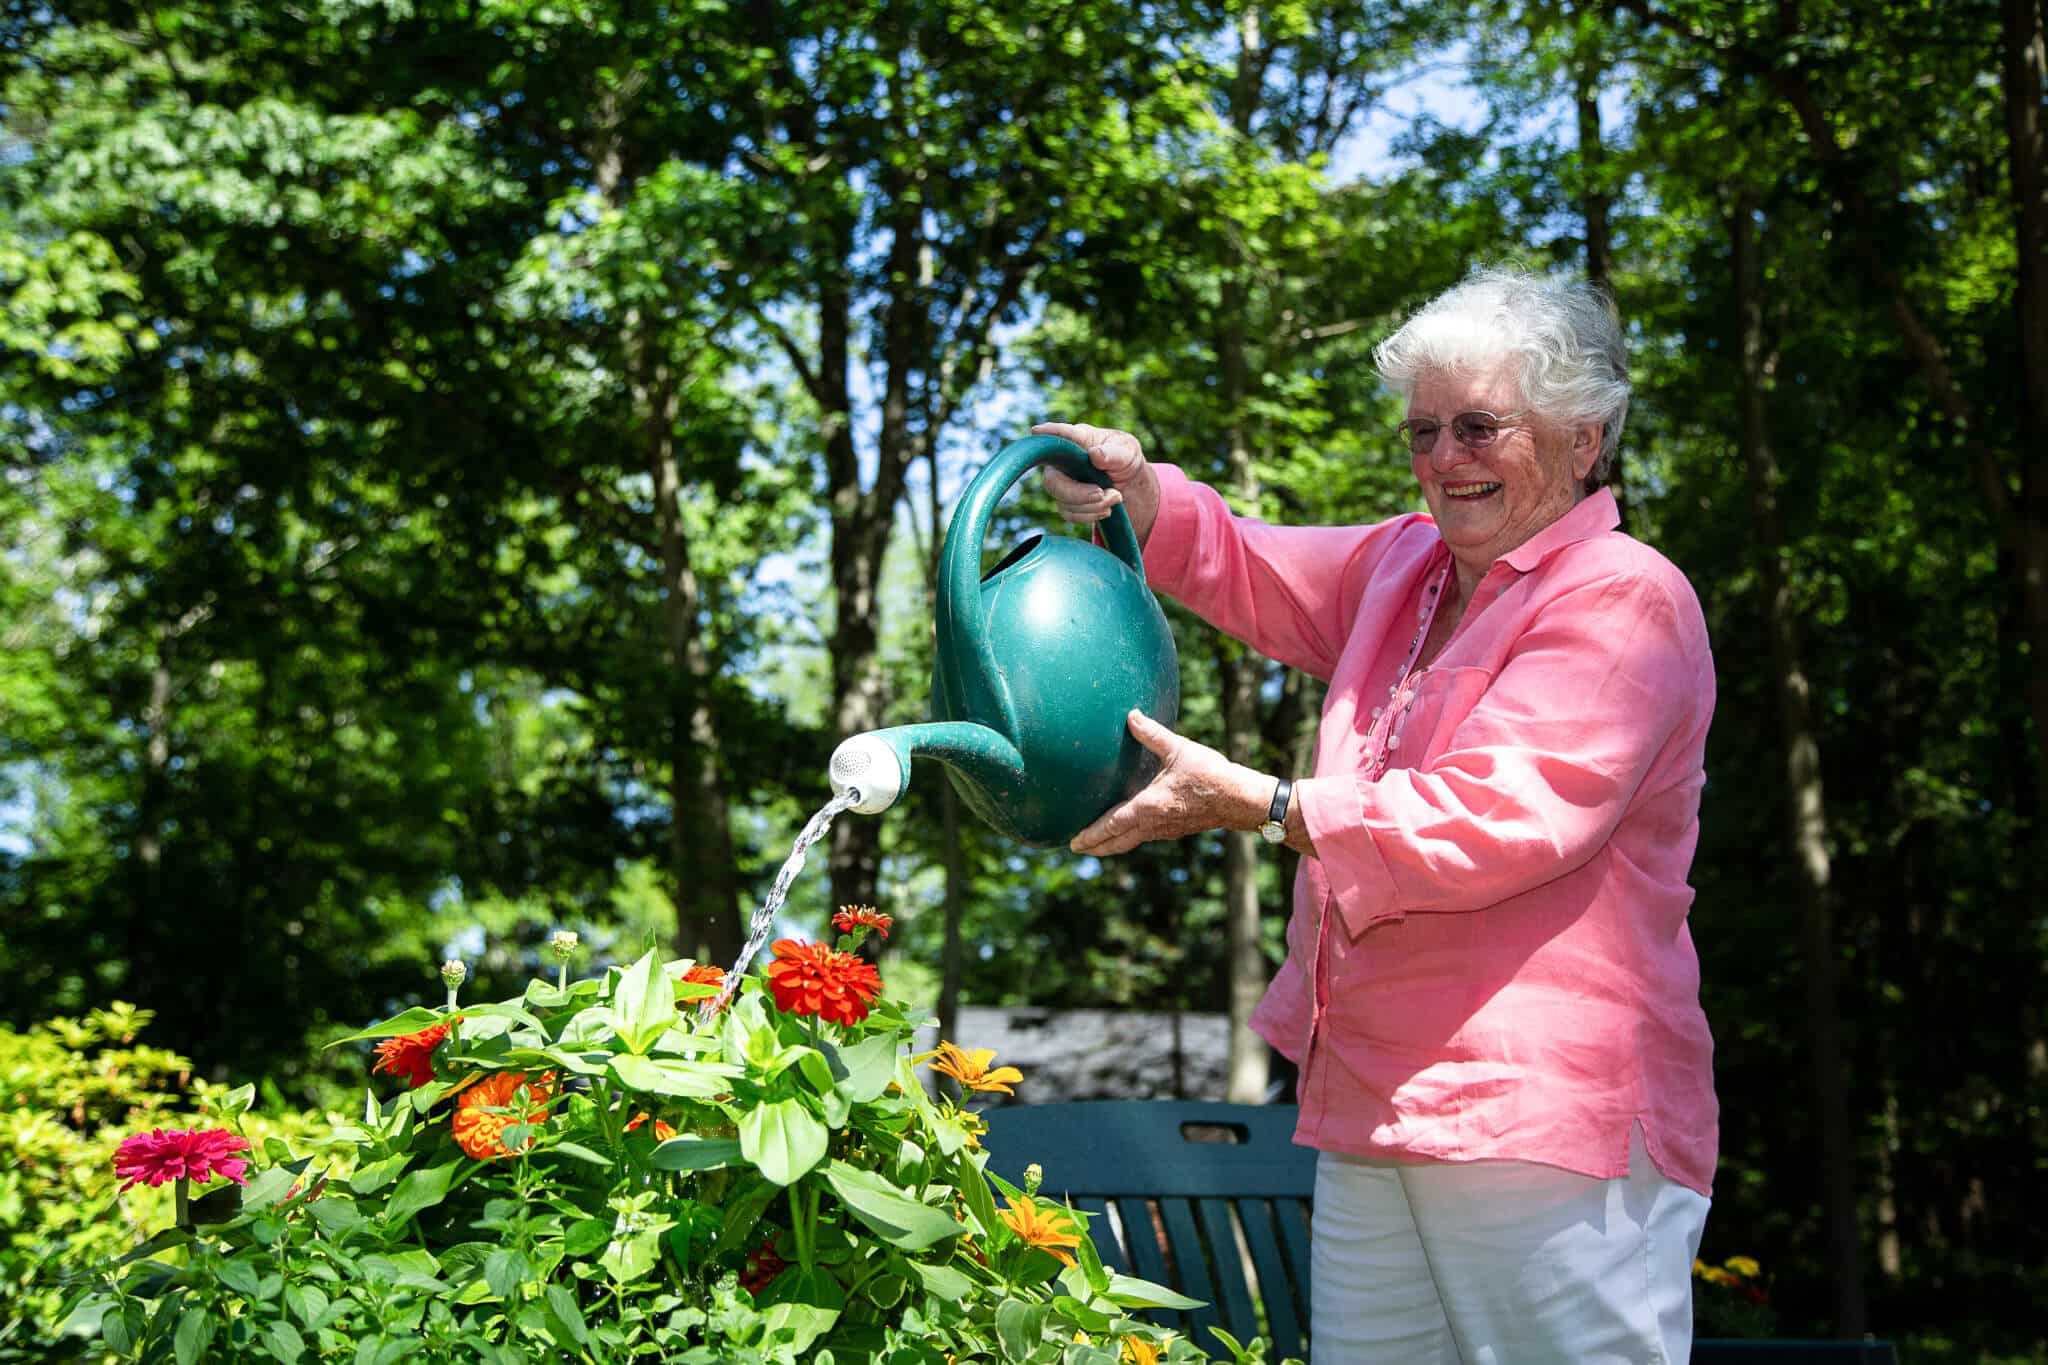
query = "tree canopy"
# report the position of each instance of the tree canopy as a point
(463, 466)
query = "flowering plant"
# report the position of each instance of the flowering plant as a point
(653, 1164)
(1732, 1300)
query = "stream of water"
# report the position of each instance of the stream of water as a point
(764, 918)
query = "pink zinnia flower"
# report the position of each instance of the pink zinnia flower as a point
(176, 1154)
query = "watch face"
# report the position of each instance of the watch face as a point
(1273, 832)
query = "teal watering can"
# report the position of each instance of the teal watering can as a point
(1038, 662)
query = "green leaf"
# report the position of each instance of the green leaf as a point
(784, 1140)
(585, 1236)
(981, 1205)
(869, 1066)
(944, 1281)
(239, 1275)
(801, 1306)
(169, 1237)
(581, 1153)
(221, 1204)
(1130, 1292)
(695, 1154)
(893, 1215)
(195, 1332)
(505, 1270)
(419, 1190)
(307, 1303)
(412, 1021)
(628, 1258)
(237, 1101)
(267, 1186)
(284, 1341)
(643, 1003)
(661, 1076)
(1082, 1316)
(1020, 1326)
(565, 1319)
(378, 1174)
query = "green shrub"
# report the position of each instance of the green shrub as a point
(604, 1171)
(73, 1089)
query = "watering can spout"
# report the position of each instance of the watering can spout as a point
(875, 766)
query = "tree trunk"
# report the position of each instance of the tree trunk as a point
(861, 522)
(703, 879)
(1805, 806)
(2025, 65)
(703, 875)
(1594, 204)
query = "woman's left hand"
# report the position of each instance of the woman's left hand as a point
(1196, 789)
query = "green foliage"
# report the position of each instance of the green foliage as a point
(339, 618)
(74, 1088)
(739, 1184)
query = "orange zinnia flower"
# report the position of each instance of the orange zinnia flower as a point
(971, 1068)
(481, 1132)
(411, 1055)
(662, 1132)
(1048, 1229)
(851, 917)
(809, 978)
(704, 974)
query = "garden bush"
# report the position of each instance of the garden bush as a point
(73, 1089)
(651, 1164)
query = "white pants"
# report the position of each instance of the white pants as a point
(1500, 1263)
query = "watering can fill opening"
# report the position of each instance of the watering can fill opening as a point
(1037, 662)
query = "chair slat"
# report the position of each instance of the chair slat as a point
(1148, 1257)
(1226, 1263)
(1193, 1275)
(1285, 1316)
(1292, 1215)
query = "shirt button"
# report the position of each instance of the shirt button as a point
(1376, 711)
(1393, 741)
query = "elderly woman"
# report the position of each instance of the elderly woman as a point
(1490, 989)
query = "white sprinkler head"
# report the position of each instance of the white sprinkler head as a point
(869, 768)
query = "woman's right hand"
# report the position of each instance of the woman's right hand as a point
(1115, 453)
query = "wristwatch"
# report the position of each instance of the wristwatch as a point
(1274, 831)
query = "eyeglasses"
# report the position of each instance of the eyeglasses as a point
(1474, 430)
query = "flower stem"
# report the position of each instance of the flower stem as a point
(801, 1225)
(184, 1205)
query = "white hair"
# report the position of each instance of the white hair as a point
(1564, 332)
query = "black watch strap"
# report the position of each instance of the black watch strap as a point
(1274, 831)
(1277, 812)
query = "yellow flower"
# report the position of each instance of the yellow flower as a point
(1048, 1229)
(971, 1068)
(1744, 1266)
(1138, 1351)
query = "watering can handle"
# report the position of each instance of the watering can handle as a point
(962, 633)
(1013, 462)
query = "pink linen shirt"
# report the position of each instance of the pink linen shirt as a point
(1488, 958)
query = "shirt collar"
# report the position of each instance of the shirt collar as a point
(1593, 515)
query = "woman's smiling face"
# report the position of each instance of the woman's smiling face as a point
(1489, 500)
